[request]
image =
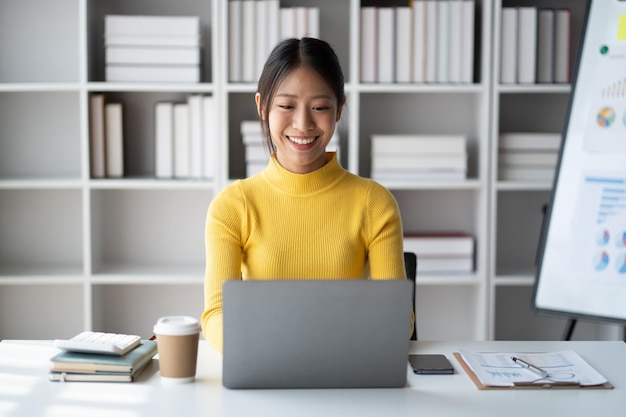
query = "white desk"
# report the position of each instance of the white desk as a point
(26, 391)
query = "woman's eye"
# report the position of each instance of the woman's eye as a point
(285, 106)
(320, 108)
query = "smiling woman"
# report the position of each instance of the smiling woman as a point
(304, 216)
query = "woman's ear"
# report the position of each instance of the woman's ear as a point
(257, 100)
(340, 110)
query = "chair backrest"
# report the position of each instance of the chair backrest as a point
(410, 264)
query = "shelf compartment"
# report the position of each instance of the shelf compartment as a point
(519, 220)
(461, 318)
(421, 113)
(40, 135)
(134, 309)
(39, 41)
(139, 128)
(142, 232)
(41, 311)
(97, 10)
(439, 210)
(41, 232)
(544, 112)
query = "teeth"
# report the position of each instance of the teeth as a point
(302, 141)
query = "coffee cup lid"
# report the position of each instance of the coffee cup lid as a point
(177, 325)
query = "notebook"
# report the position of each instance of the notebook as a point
(316, 333)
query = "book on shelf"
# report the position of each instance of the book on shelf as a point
(256, 26)
(248, 42)
(153, 73)
(114, 140)
(418, 175)
(85, 367)
(545, 46)
(562, 45)
(94, 363)
(121, 54)
(96, 377)
(526, 45)
(196, 133)
(529, 140)
(145, 25)
(508, 46)
(419, 40)
(164, 140)
(164, 41)
(420, 161)
(182, 141)
(533, 173)
(385, 50)
(467, 62)
(234, 41)
(184, 138)
(455, 42)
(369, 40)
(455, 244)
(444, 264)
(430, 30)
(209, 137)
(408, 144)
(402, 45)
(152, 48)
(528, 158)
(443, 41)
(97, 136)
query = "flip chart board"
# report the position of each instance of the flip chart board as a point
(582, 263)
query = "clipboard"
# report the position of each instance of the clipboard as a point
(525, 385)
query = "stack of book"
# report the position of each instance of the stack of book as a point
(528, 156)
(441, 252)
(93, 367)
(535, 45)
(428, 42)
(152, 48)
(419, 157)
(256, 26)
(184, 138)
(257, 155)
(106, 138)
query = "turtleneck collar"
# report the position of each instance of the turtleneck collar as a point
(308, 183)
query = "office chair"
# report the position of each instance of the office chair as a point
(410, 264)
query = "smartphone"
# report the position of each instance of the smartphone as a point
(431, 364)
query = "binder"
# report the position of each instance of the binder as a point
(525, 385)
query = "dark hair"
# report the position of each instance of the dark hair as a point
(291, 54)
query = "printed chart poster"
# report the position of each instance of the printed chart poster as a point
(606, 131)
(600, 224)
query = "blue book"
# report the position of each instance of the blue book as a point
(93, 363)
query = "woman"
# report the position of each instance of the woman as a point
(304, 216)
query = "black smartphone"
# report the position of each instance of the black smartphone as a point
(431, 364)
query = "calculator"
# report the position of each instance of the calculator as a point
(100, 342)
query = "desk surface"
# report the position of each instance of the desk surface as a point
(26, 391)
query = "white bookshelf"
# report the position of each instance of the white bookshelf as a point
(516, 206)
(115, 254)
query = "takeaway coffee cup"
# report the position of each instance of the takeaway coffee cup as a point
(177, 342)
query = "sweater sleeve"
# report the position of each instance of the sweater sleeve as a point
(385, 249)
(223, 246)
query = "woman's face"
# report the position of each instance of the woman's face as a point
(302, 120)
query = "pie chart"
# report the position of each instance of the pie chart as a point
(621, 240)
(606, 117)
(600, 261)
(603, 237)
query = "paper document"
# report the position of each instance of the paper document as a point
(499, 370)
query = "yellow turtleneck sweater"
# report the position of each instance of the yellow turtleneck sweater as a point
(327, 224)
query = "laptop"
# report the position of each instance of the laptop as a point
(316, 333)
